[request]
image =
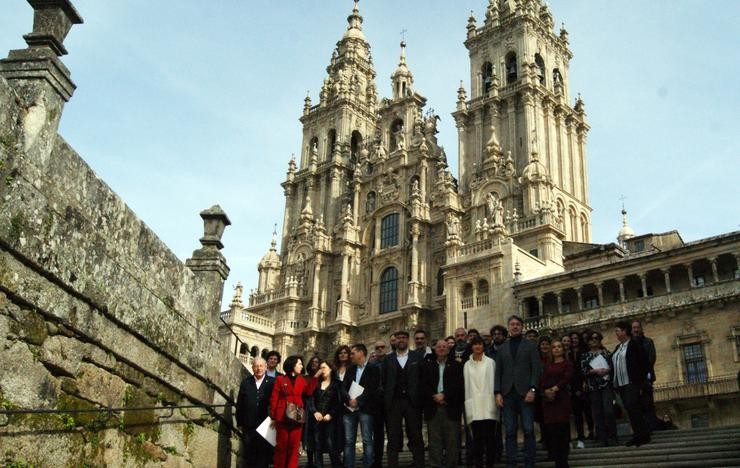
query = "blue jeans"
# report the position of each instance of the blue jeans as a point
(514, 406)
(350, 421)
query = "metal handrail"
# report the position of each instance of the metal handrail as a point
(108, 411)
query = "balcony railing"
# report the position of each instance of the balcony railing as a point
(720, 385)
(635, 306)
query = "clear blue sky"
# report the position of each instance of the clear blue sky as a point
(184, 104)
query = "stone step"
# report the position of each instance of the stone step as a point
(712, 447)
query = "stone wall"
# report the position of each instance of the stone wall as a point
(95, 311)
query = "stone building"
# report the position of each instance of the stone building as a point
(378, 235)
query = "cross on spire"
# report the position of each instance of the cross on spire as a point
(622, 198)
(403, 34)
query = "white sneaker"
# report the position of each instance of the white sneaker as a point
(580, 444)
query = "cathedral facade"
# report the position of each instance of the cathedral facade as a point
(378, 235)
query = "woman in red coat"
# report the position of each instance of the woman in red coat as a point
(556, 404)
(288, 388)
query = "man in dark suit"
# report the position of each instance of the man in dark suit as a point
(443, 394)
(379, 416)
(648, 399)
(252, 407)
(361, 409)
(403, 400)
(630, 369)
(518, 370)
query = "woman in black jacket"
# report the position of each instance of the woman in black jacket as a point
(324, 407)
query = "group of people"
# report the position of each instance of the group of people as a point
(468, 386)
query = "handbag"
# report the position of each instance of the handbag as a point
(295, 414)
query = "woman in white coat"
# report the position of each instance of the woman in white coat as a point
(480, 403)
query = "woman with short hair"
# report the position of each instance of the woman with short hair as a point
(596, 367)
(480, 402)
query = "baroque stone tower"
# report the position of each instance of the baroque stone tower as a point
(378, 235)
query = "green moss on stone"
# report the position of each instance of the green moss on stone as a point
(17, 226)
(34, 329)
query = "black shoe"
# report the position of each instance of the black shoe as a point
(642, 441)
(631, 442)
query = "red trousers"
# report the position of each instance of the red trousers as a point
(288, 443)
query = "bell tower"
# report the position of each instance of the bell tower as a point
(518, 113)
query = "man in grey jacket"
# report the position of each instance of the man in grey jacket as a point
(518, 372)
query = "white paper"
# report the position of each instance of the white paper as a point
(355, 390)
(267, 431)
(599, 362)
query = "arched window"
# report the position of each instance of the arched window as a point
(440, 282)
(511, 67)
(355, 145)
(254, 351)
(540, 62)
(389, 231)
(264, 352)
(243, 349)
(573, 224)
(467, 296)
(487, 73)
(482, 296)
(331, 142)
(396, 128)
(389, 290)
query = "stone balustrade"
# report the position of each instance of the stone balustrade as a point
(720, 385)
(635, 306)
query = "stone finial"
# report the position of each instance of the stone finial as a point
(214, 224)
(52, 20)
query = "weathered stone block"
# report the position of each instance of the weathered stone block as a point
(100, 386)
(62, 355)
(198, 447)
(24, 381)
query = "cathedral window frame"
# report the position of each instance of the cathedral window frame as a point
(512, 67)
(486, 77)
(388, 290)
(331, 142)
(539, 61)
(396, 126)
(390, 227)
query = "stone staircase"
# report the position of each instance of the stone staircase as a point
(705, 448)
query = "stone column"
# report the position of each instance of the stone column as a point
(208, 263)
(621, 289)
(579, 292)
(377, 234)
(345, 275)
(414, 252)
(643, 283)
(559, 297)
(541, 305)
(690, 271)
(356, 204)
(316, 281)
(600, 289)
(715, 273)
(667, 279)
